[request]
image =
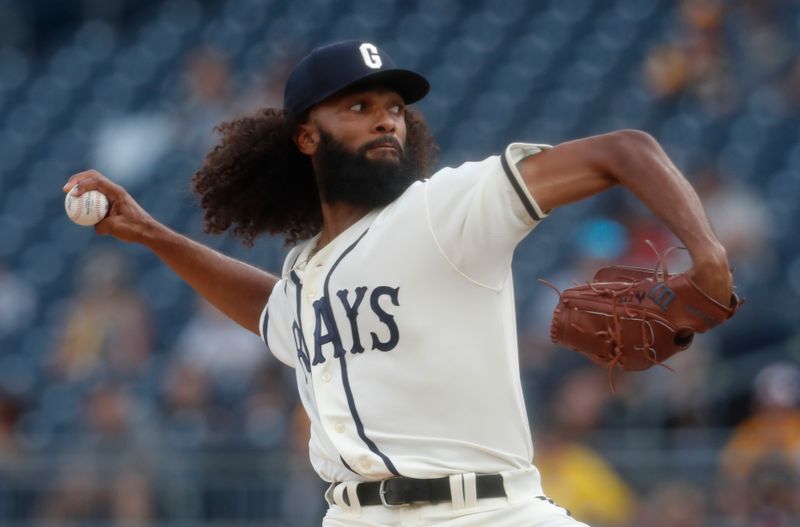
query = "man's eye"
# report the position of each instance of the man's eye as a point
(358, 107)
(396, 109)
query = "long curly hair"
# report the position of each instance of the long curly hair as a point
(256, 181)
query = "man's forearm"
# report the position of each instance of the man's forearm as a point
(579, 169)
(237, 289)
(644, 168)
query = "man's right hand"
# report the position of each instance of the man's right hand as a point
(126, 219)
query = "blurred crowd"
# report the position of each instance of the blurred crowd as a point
(126, 427)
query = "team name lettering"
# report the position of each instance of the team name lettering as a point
(325, 322)
(327, 334)
(300, 345)
(352, 314)
(386, 318)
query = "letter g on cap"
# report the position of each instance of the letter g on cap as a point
(370, 55)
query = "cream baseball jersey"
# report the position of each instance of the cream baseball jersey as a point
(402, 330)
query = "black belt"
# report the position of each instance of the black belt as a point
(403, 491)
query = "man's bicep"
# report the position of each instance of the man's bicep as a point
(569, 172)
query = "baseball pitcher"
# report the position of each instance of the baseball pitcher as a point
(395, 308)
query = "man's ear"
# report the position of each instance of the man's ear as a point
(306, 137)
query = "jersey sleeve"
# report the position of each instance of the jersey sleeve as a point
(272, 337)
(480, 211)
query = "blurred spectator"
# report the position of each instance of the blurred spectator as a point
(15, 462)
(666, 71)
(702, 15)
(302, 483)
(268, 410)
(745, 236)
(644, 228)
(105, 472)
(773, 494)
(128, 147)
(18, 302)
(187, 405)
(108, 329)
(186, 423)
(675, 396)
(574, 471)
(208, 99)
(698, 64)
(768, 497)
(220, 447)
(761, 461)
(601, 238)
(11, 452)
(266, 90)
(767, 48)
(674, 504)
(222, 350)
(773, 428)
(791, 86)
(711, 81)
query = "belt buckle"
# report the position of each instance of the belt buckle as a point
(382, 495)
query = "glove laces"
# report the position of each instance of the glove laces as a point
(612, 335)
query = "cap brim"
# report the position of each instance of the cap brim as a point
(410, 85)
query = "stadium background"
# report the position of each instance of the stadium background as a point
(125, 401)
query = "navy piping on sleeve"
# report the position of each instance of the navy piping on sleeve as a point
(518, 188)
(346, 381)
(264, 327)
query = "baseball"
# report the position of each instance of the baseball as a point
(87, 209)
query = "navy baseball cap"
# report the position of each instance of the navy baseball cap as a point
(330, 69)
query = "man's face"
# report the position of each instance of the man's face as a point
(357, 143)
(373, 119)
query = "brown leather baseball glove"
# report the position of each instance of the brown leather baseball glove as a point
(633, 317)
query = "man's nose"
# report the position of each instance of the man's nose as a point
(384, 123)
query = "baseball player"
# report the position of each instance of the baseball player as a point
(396, 310)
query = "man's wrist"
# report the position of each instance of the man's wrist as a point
(154, 234)
(712, 256)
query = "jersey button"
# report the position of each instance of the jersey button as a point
(364, 464)
(326, 376)
(339, 428)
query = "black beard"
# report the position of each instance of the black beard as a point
(347, 177)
